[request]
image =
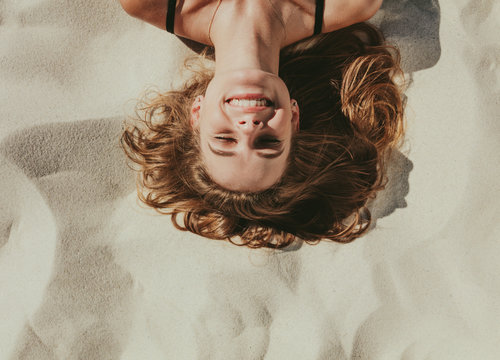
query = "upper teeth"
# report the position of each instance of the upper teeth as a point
(249, 102)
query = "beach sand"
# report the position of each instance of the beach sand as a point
(87, 272)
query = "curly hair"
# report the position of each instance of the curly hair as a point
(351, 116)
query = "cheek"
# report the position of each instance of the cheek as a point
(205, 154)
(202, 131)
(283, 123)
(215, 124)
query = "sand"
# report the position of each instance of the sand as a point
(86, 272)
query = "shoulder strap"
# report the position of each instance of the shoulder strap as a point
(170, 21)
(318, 17)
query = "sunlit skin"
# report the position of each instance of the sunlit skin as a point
(247, 36)
(245, 148)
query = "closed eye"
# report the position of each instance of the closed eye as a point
(225, 139)
(268, 142)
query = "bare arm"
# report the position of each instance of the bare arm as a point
(150, 11)
(337, 14)
(342, 13)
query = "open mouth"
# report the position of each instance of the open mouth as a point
(249, 101)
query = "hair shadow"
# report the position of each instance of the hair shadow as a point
(392, 197)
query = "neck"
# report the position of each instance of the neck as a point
(254, 41)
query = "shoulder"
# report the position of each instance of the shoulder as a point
(342, 13)
(191, 18)
(151, 11)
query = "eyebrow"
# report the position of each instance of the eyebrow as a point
(232, 153)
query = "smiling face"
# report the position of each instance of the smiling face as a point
(245, 121)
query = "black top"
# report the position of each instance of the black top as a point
(318, 16)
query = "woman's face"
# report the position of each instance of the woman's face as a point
(246, 121)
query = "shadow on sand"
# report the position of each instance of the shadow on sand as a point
(80, 171)
(413, 26)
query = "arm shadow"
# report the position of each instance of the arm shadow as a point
(413, 27)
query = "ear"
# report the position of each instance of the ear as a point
(295, 114)
(195, 111)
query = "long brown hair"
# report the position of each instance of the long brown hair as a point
(351, 115)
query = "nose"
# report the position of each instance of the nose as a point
(248, 126)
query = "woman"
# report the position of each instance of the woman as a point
(232, 151)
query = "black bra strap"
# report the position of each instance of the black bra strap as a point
(318, 17)
(170, 16)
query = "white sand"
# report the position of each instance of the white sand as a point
(87, 273)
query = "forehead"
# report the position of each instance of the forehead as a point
(243, 172)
